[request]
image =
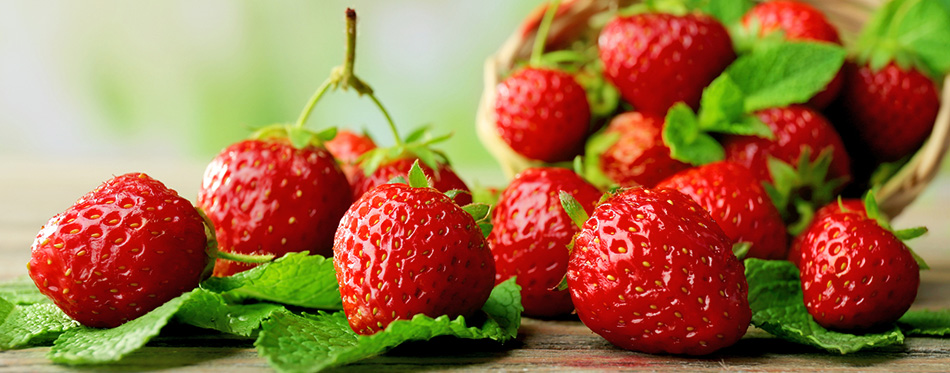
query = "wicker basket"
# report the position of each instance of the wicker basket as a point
(572, 18)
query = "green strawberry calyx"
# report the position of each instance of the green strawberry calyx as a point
(481, 212)
(797, 190)
(911, 33)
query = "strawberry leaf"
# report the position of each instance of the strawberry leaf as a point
(419, 134)
(314, 342)
(775, 296)
(478, 211)
(296, 279)
(326, 134)
(400, 180)
(925, 323)
(299, 137)
(686, 139)
(31, 325)
(786, 73)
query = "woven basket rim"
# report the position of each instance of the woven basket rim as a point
(893, 196)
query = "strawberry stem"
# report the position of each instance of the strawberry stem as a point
(343, 77)
(541, 36)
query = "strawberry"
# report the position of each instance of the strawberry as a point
(347, 147)
(851, 205)
(800, 21)
(266, 196)
(890, 101)
(890, 110)
(652, 272)
(856, 273)
(403, 250)
(795, 128)
(531, 233)
(443, 178)
(735, 199)
(542, 114)
(638, 156)
(658, 59)
(120, 251)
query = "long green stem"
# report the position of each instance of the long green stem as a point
(541, 36)
(305, 114)
(389, 120)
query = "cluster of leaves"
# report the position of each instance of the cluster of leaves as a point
(252, 304)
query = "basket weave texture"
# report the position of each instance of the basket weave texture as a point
(573, 18)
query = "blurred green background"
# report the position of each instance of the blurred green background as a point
(180, 80)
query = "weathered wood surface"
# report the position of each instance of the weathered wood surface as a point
(29, 196)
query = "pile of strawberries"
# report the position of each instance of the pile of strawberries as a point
(650, 265)
(652, 268)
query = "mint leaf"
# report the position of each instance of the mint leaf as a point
(775, 296)
(914, 33)
(722, 109)
(786, 73)
(310, 343)
(596, 145)
(84, 345)
(726, 11)
(21, 290)
(29, 325)
(296, 279)
(209, 310)
(686, 139)
(925, 323)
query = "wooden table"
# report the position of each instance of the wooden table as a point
(31, 191)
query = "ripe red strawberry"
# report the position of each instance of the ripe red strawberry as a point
(347, 147)
(444, 179)
(531, 233)
(120, 251)
(797, 21)
(851, 205)
(657, 59)
(542, 114)
(738, 203)
(639, 157)
(795, 127)
(401, 251)
(856, 274)
(269, 197)
(891, 111)
(652, 272)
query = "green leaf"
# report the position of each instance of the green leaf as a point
(30, 325)
(911, 32)
(84, 345)
(925, 323)
(426, 155)
(209, 310)
(573, 209)
(418, 134)
(722, 102)
(296, 279)
(399, 180)
(21, 290)
(417, 177)
(784, 74)
(726, 11)
(310, 343)
(686, 140)
(372, 160)
(741, 249)
(775, 296)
